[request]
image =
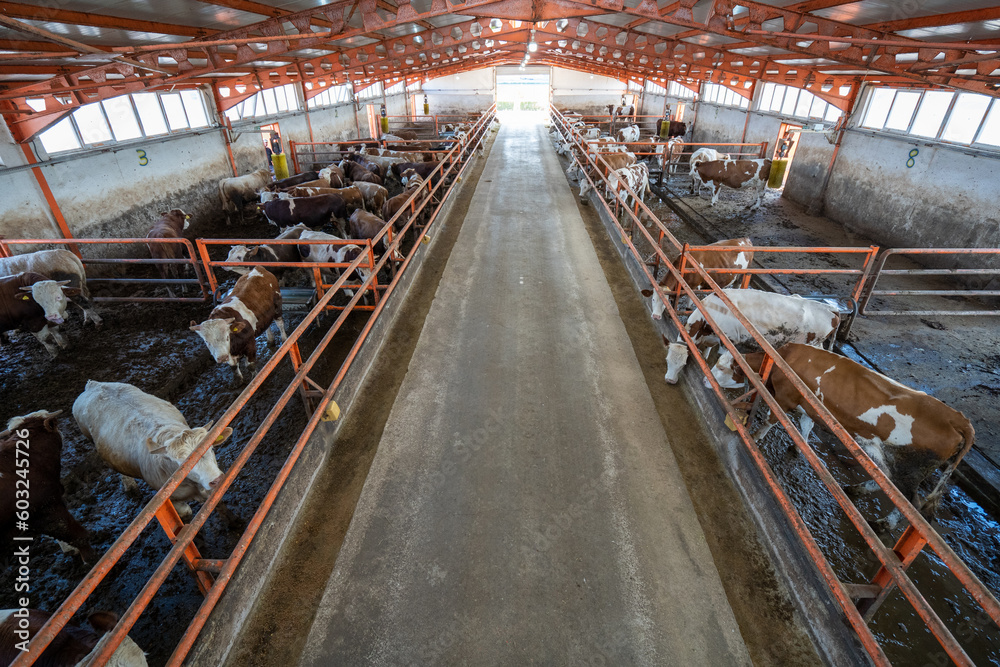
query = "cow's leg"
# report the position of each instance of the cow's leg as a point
(61, 525)
(57, 337)
(805, 424)
(765, 428)
(183, 510)
(716, 189)
(237, 372)
(270, 336)
(280, 322)
(43, 337)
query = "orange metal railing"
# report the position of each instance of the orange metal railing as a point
(944, 253)
(190, 260)
(892, 574)
(213, 575)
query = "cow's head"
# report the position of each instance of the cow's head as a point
(51, 295)
(47, 419)
(222, 336)
(655, 303)
(677, 356)
(178, 216)
(726, 372)
(206, 473)
(238, 253)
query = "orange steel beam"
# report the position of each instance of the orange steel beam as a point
(49, 197)
(36, 13)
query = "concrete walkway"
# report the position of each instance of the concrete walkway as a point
(524, 506)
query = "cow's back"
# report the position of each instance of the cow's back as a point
(258, 290)
(119, 418)
(54, 264)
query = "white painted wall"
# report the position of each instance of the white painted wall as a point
(586, 93)
(468, 92)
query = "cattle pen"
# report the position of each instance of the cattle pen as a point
(342, 332)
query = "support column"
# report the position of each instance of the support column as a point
(816, 207)
(226, 126)
(49, 197)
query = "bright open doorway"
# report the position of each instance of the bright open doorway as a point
(524, 95)
(784, 148)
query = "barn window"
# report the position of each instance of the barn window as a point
(933, 107)
(395, 89)
(878, 108)
(60, 137)
(121, 115)
(901, 112)
(966, 117)
(150, 114)
(990, 134)
(174, 109)
(92, 125)
(194, 105)
(413, 86)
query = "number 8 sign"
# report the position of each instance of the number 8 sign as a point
(910, 162)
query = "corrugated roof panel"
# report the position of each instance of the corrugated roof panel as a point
(876, 11)
(103, 36)
(612, 19)
(660, 29)
(186, 12)
(711, 40)
(958, 32)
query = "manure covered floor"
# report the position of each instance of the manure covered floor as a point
(524, 505)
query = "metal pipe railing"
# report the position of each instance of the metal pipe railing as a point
(159, 507)
(893, 562)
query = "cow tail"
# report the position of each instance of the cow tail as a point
(969, 439)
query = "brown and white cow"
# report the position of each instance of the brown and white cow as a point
(628, 134)
(145, 437)
(353, 198)
(240, 190)
(36, 438)
(365, 225)
(374, 195)
(247, 311)
(780, 319)
(313, 211)
(171, 225)
(735, 174)
(425, 169)
(907, 433)
(57, 265)
(635, 177)
(31, 302)
(392, 205)
(607, 164)
(709, 259)
(292, 181)
(333, 253)
(278, 252)
(72, 647)
(699, 156)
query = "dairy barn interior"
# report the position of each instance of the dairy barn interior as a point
(600, 333)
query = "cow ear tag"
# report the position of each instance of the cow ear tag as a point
(236, 329)
(25, 297)
(219, 440)
(332, 412)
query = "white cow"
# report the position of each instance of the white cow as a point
(780, 319)
(237, 191)
(267, 195)
(699, 156)
(142, 436)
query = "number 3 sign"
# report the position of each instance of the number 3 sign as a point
(143, 160)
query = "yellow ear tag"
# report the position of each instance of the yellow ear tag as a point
(25, 297)
(219, 440)
(236, 329)
(332, 413)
